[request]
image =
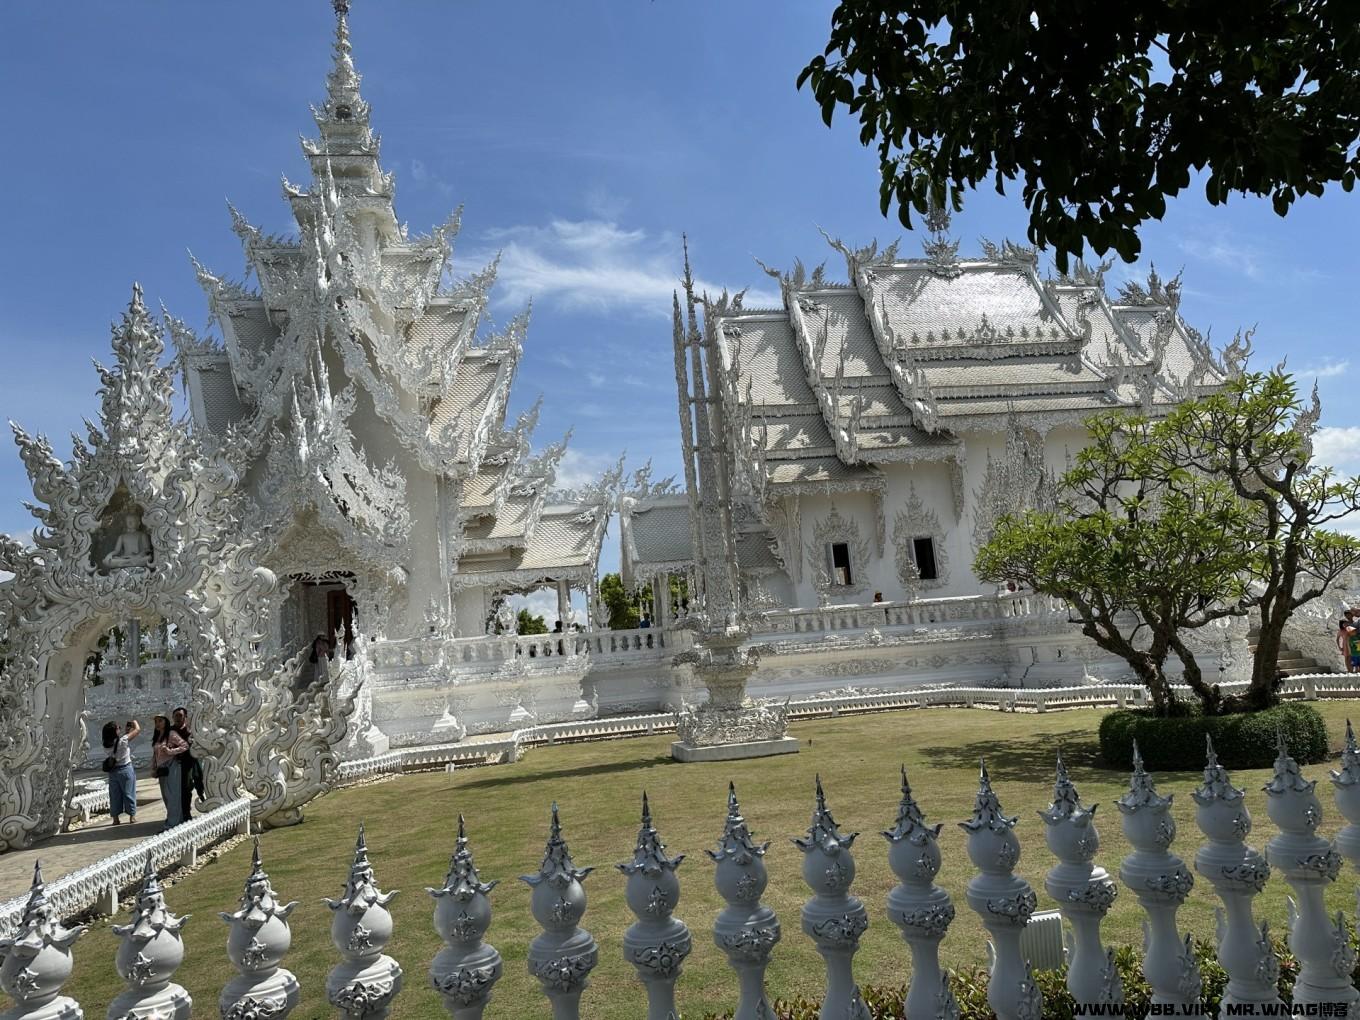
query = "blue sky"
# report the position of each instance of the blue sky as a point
(582, 138)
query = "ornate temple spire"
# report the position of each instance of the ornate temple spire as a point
(346, 153)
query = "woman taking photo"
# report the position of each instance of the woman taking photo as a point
(122, 778)
(167, 747)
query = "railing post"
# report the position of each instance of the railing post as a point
(1161, 881)
(746, 930)
(1238, 873)
(563, 956)
(256, 945)
(1310, 865)
(364, 983)
(1346, 792)
(464, 971)
(1084, 892)
(1004, 901)
(149, 954)
(35, 961)
(658, 943)
(920, 907)
(832, 918)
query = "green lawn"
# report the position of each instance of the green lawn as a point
(411, 823)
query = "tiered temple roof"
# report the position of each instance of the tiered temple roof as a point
(911, 355)
(355, 340)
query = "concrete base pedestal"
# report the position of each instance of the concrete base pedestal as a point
(682, 751)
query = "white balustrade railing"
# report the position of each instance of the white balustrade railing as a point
(915, 613)
(102, 881)
(36, 958)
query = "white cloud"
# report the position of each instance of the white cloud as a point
(1326, 370)
(1339, 446)
(1223, 250)
(593, 265)
(578, 468)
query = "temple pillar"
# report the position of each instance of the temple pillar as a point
(563, 602)
(661, 599)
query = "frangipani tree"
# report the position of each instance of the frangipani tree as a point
(1165, 525)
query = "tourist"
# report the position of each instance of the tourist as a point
(190, 771)
(1348, 640)
(122, 778)
(166, 748)
(645, 623)
(318, 672)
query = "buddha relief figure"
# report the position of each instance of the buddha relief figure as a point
(132, 550)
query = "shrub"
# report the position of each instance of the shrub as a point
(1244, 740)
(970, 988)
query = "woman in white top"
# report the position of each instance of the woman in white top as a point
(122, 777)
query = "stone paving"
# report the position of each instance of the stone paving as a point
(97, 839)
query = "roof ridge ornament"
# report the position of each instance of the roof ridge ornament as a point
(942, 252)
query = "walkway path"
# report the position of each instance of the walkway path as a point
(97, 839)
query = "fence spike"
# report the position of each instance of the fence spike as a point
(746, 930)
(832, 918)
(658, 943)
(465, 970)
(365, 981)
(918, 906)
(149, 953)
(1238, 873)
(258, 940)
(1161, 881)
(563, 956)
(1310, 864)
(35, 960)
(1004, 901)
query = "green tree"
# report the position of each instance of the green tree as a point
(1101, 111)
(1256, 434)
(1141, 549)
(621, 603)
(527, 623)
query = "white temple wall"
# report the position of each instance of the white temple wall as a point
(933, 487)
(471, 608)
(869, 574)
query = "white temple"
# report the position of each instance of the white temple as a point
(846, 453)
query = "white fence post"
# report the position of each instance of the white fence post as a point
(1310, 866)
(35, 961)
(1004, 901)
(1346, 792)
(658, 943)
(920, 907)
(563, 956)
(832, 918)
(746, 930)
(256, 945)
(1161, 881)
(149, 953)
(1084, 892)
(1238, 873)
(464, 971)
(365, 981)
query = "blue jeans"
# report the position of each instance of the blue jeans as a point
(172, 792)
(123, 791)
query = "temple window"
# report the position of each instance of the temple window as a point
(838, 555)
(923, 554)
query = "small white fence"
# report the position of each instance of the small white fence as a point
(99, 884)
(37, 960)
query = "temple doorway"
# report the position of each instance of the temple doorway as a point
(321, 607)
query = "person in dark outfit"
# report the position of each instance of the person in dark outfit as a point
(190, 770)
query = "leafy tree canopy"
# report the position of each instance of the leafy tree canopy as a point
(1101, 111)
(527, 623)
(621, 603)
(1165, 525)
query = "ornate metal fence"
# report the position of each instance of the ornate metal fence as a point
(36, 958)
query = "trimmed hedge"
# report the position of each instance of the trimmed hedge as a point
(1244, 740)
(970, 988)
